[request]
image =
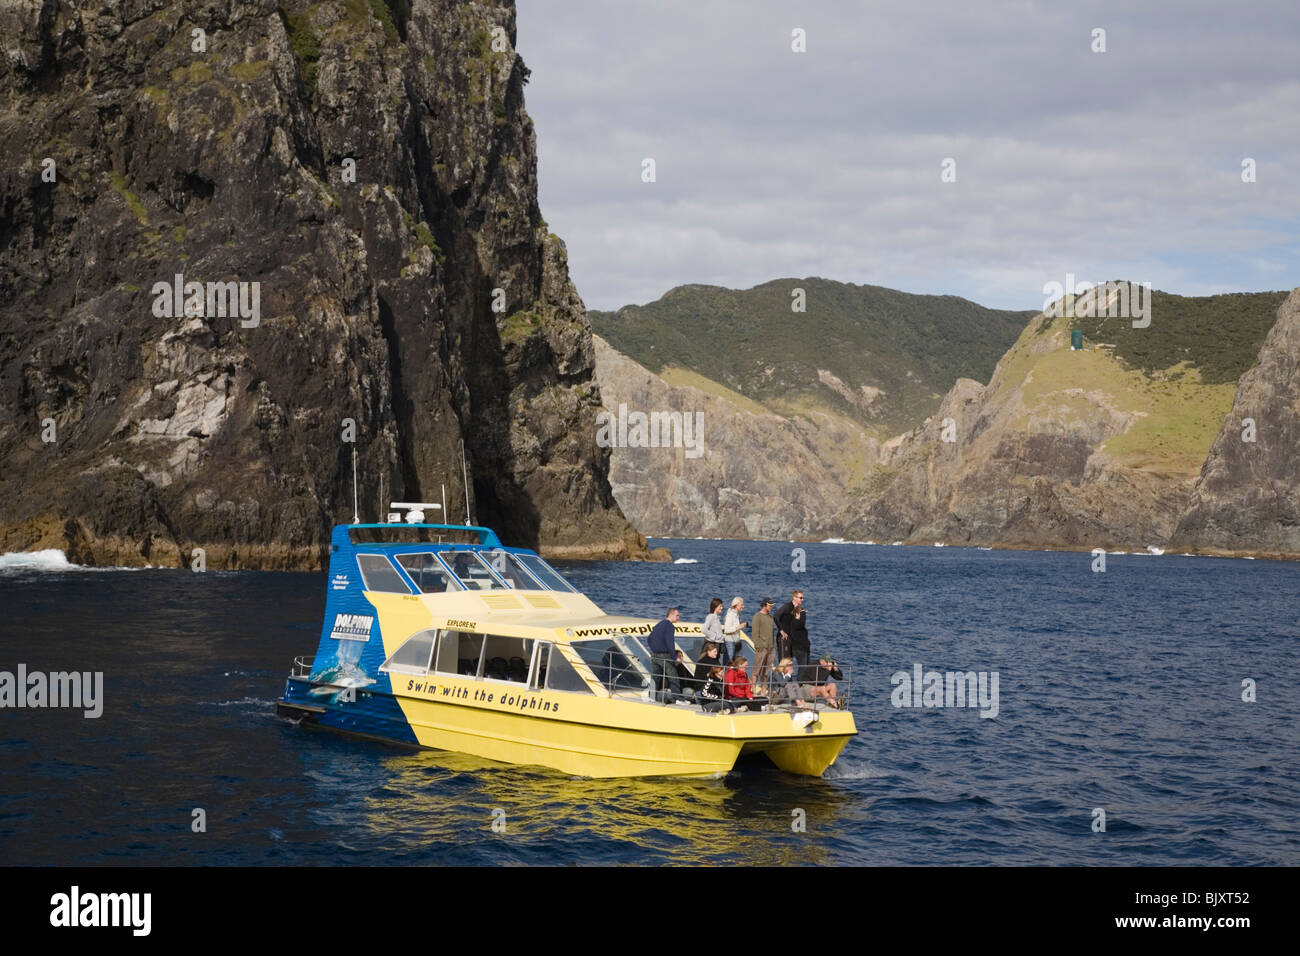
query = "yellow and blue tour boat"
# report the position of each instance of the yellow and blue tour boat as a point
(487, 650)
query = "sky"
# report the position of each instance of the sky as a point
(771, 163)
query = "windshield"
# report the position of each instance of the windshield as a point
(544, 572)
(472, 570)
(507, 567)
(429, 576)
(619, 663)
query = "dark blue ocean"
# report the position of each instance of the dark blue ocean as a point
(1120, 691)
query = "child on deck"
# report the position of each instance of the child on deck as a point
(709, 696)
(738, 690)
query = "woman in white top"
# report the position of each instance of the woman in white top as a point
(713, 630)
(734, 629)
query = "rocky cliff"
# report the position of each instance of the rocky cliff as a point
(1247, 498)
(754, 474)
(1098, 447)
(344, 196)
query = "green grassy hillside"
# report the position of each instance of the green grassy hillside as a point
(880, 357)
(1175, 377)
(1219, 335)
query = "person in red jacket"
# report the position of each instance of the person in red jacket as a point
(738, 689)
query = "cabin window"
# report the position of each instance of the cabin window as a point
(549, 577)
(561, 675)
(692, 646)
(459, 653)
(507, 658)
(413, 656)
(619, 664)
(429, 576)
(472, 570)
(378, 575)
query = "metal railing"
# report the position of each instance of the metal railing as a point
(615, 678)
(302, 666)
(811, 694)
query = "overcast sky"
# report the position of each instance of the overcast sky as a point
(771, 163)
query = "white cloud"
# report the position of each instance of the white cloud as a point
(774, 164)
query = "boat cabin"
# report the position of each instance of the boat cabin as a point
(474, 610)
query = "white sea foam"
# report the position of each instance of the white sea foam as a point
(685, 561)
(51, 559)
(845, 770)
(242, 701)
(833, 541)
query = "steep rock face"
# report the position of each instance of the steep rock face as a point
(1248, 495)
(758, 474)
(131, 434)
(1063, 448)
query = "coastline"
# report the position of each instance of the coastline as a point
(82, 547)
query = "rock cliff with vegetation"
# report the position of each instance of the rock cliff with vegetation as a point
(798, 406)
(757, 475)
(369, 166)
(1097, 447)
(1247, 498)
(875, 356)
(1133, 441)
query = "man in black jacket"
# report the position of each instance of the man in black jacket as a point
(793, 624)
(663, 657)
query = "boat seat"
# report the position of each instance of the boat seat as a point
(518, 669)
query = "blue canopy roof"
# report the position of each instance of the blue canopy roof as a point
(486, 536)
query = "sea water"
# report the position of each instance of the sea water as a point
(1145, 715)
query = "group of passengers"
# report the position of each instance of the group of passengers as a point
(720, 680)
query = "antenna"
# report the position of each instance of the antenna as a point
(356, 512)
(464, 477)
(444, 506)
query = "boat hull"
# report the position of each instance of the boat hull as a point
(588, 737)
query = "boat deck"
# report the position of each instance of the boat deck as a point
(739, 709)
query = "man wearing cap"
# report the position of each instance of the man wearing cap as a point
(663, 655)
(763, 645)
